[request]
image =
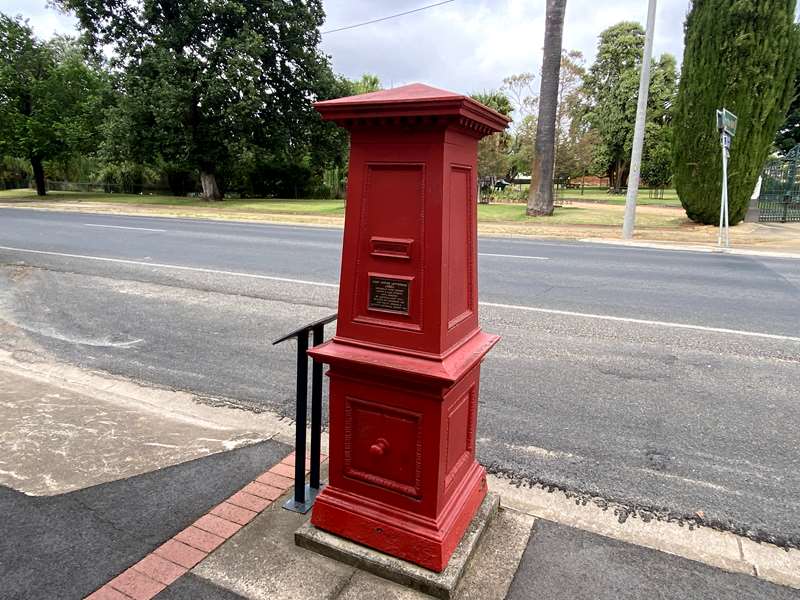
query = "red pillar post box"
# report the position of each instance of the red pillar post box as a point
(405, 360)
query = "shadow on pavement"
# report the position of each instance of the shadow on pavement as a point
(67, 546)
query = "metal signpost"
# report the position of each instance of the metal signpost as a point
(726, 125)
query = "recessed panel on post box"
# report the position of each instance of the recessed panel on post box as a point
(389, 278)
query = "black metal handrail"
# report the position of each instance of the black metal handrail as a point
(304, 495)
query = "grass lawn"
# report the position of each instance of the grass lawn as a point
(261, 205)
(584, 215)
(595, 194)
(574, 215)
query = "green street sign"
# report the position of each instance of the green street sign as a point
(726, 122)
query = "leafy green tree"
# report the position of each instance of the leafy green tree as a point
(611, 88)
(205, 80)
(568, 115)
(494, 151)
(368, 83)
(742, 56)
(522, 147)
(50, 98)
(789, 133)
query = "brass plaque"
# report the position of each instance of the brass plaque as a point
(389, 294)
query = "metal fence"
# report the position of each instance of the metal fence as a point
(779, 200)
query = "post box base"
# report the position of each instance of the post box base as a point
(423, 541)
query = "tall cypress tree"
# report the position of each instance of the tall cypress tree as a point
(741, 55)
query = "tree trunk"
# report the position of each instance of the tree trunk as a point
(540, 197)
(38, 175)
(211, 191)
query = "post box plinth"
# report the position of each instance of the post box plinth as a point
(405, 360)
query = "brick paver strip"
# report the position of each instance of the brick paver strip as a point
(275, 480)
(218, 525)
(107, 593)
(262, 490)
(175, 557)
(136, 585)
(283, 469)
(197, 538)
(237, 514)
(249, 501)
(158, 568)
(180, 553)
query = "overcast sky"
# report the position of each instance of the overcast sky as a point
(465, 45)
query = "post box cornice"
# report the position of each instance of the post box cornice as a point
(413, 104)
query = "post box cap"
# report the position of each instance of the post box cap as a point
(415, 100)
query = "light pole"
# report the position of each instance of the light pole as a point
(638, 133)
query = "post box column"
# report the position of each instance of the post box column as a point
(405, 360)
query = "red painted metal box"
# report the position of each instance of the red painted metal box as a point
(405, 360)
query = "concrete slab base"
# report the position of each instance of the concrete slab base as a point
(440, 585)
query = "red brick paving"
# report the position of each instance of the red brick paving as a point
(217, 525)
(136, 585)
(107, 593)
(234, 513)
(175, 557)
(275, 480)
(283, 469)
(180, 553)
(160, 569)
(244, 500)
(262, 490)
(197, 538)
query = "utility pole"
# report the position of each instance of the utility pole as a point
(641, 118)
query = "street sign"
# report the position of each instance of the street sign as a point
(727, 138)
(726, 122)
(726, 125)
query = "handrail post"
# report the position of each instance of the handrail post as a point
(300, 424)
(304, 495)
(316, 410)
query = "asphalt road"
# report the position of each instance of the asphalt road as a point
(666, 381)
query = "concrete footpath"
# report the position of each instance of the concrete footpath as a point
(111, 490)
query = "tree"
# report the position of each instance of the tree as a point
(569, 114)
(789, 133)
(50, 98)
(540, 198)
(611, 88)
(494, 151)
(368, 83)
(742, 56)
(206, 80)
(521, 93)
(522, 147)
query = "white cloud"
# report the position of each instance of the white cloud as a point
(46, 22)
(471, 45)
(466, 45)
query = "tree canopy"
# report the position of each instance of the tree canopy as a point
(741, 56)
(50, 98)
(789, 133)
(204, 82)
(611, 88)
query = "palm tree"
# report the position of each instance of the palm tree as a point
(540, 197)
